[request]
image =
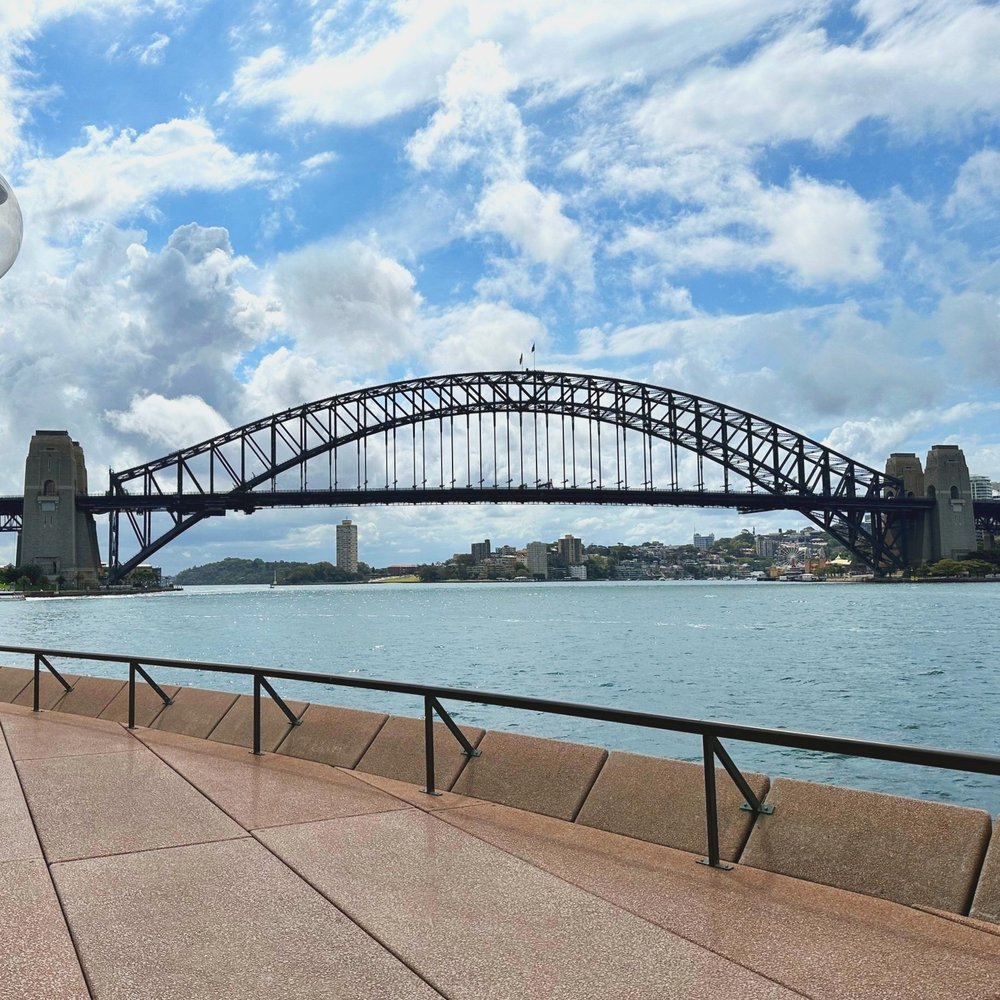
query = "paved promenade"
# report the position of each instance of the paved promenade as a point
(150, 864)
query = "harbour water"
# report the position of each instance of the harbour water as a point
(905, 664)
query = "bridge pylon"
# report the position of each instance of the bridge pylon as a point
(55, 534)
(947, 530)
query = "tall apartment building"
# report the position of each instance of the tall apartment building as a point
(571, 550)
(347, 546)
(538, 559)
(703, 542)
(982, 489)
(480, 551)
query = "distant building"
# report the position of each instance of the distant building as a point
(578, 572)
(538, 559)
(703, 542)
(347, 546)
(982, 489)
(768, 546)
(571, 550)
(480, 551)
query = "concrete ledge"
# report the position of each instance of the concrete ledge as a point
(986, 905)
(550, 777)
(663, 801)
(337, 736)
(49, 690)
(194, 712)
(398, 752)
(236, 726)
(148, 704)
(13, 680)
(905, 850)
(90, 696)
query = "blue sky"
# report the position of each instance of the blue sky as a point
(233, 208)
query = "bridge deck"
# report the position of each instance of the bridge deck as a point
(149, 864)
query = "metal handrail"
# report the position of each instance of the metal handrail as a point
(712, 732)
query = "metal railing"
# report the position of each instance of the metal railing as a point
(711, 732)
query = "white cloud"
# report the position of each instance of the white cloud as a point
(805, 87)
(173, 423)
(482, 337)
(113, 176)
(976, 194)
(347, 302)
(395, 62)
(534, 222)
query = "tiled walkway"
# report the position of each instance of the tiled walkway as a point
(147, 864)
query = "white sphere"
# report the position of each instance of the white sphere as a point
(11, 227)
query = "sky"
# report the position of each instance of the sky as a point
(230, 209)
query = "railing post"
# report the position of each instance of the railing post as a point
(131, 695)
(256, 715)
(429, 744)
(708, 744)
(37, 681)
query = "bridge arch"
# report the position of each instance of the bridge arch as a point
(380, 444)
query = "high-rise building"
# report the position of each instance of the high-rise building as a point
(480, 551)
(982, 489)
(347, 546)
(703, 542)
(538, 559)
(571, 550)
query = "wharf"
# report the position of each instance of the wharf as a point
(157, 864)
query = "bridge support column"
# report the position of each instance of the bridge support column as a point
(952, 521)
(54, 534)
(909, 535)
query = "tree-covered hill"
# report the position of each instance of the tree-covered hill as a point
(230, 571)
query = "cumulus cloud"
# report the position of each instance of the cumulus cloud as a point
(174, 423)
(348, 301)
(485, 336)
(118, 322)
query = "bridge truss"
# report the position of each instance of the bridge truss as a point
(508, 437)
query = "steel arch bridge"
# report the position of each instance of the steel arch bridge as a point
(508, 437)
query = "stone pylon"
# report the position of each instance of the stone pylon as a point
(54, 534)
(952, 522)
(948, 530)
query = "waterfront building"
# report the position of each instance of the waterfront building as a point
(538, 559)
(480, 551)
(347, 546)
(570, 550)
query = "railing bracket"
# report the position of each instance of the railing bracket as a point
(765, 809)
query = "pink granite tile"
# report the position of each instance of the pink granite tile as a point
(49, 689)
(148, 704)
(236, 726)
(477, 923)
(986, 905)
(17, 833)
(50, 734)
(337, 736)
(398, 752)
(219, 922)
(544, 776)
(13, 680)
(905, 850)
(89, 697)
(269, 790)
(413, 795)
(111, 803)
(822, 942)
(37, 959)
(663, 801)
(194, 712)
